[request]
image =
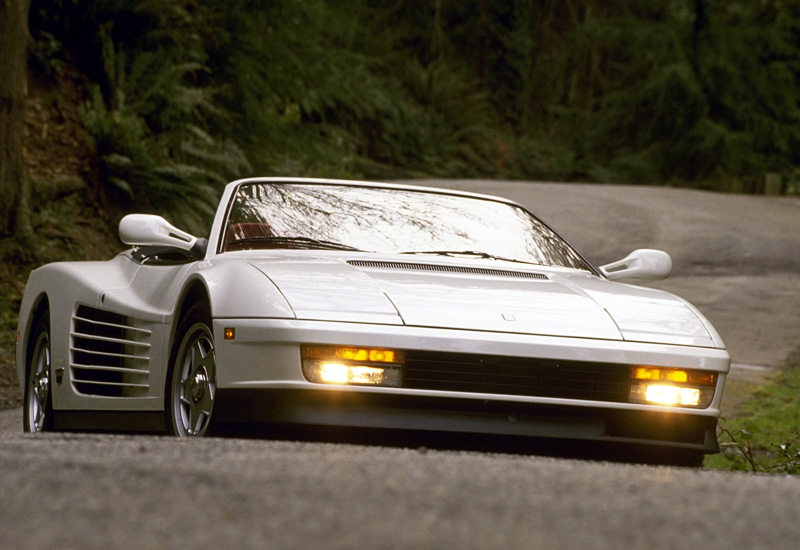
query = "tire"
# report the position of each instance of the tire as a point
(38, 407)
(191, 380)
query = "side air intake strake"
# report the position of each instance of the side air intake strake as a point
(110, 356)
(410, 266)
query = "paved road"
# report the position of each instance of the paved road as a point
(737, 258)
(104, 492)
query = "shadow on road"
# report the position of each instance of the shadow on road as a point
(447, 441)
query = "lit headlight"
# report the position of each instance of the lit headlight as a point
(347, 365)
(672, 387)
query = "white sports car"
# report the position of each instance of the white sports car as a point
(323, 302)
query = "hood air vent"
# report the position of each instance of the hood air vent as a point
(410, 266)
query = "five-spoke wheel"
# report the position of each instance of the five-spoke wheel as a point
(38, 415)
(192, 387)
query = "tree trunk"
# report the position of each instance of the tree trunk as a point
(14, 192)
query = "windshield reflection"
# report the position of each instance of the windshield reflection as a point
(373, 219)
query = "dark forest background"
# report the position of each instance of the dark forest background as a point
(179, 97)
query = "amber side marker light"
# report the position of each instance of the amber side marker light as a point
(352, 365)
(672, 387)
(229, 333)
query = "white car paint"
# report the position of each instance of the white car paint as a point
(279, 299)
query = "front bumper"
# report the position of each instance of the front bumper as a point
(472, 416)
(259, 379)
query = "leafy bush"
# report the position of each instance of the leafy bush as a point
(742, 452)
(313, 86)
(151, 129)
(764, 436)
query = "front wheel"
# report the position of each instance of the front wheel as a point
(38, 415)
(192, 380)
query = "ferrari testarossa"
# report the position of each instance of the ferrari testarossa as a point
(338, 303)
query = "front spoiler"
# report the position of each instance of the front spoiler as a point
(474, 416)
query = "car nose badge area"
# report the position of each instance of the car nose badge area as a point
(199, 385)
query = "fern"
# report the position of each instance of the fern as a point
(151, 140)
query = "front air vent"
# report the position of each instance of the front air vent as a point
(436, 268)
(529, 376)
(110, 356)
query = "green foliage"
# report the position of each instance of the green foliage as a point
(741, 452)
(633, 91)
(444, 127)
(764, 437)
(793, 185)
(311, 83)
(651, 92)
(151, 122)
(46, 54)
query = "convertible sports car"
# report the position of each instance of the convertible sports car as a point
(323, 302)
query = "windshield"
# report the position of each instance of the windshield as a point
(395, 221)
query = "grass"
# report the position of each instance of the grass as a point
(765, 434)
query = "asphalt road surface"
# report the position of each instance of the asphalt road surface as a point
(736, 257)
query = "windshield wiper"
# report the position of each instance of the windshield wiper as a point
(477, 253)
(298, 242)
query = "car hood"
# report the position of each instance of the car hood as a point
(485, 296)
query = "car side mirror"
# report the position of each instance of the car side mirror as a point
(640, 264)
(149, 230)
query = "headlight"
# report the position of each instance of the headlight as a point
(672, 387)
(349, 365)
